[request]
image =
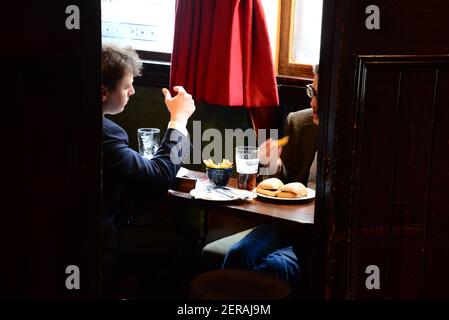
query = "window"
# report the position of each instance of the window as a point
(294, 28)
(300, 37)
(146, 25)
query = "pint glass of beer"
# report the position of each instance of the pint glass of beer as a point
(247, 165)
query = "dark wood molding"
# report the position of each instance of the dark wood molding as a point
(154, 56)
(154, 74)
(293, 81)
(401, 60)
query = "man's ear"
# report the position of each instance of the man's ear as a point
(104, 93)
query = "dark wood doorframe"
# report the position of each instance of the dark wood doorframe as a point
(52, 154)
(324, 223)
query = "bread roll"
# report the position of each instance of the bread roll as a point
(295, 187)
(270, 184)
(286, 194)
(267, 192)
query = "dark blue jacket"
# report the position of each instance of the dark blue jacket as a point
(129, 178)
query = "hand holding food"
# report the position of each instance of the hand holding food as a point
(270, 151)
(282, 142)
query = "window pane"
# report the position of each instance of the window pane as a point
(307, 31)
(143, 24)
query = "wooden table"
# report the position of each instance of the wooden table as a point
(259, 209)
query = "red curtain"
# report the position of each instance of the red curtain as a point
(222, 55)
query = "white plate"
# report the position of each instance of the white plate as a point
(211, 196)
(310, 195)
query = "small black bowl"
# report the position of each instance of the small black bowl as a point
(219, 177)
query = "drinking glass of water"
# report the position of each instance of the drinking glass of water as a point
(148, 139)
(247, 165)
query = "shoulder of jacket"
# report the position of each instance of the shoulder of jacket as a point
(111, 129)
(301, 114)
(301, 117)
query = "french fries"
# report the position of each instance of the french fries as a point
(225, 164)
(283, 141)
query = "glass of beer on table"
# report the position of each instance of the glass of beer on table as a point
(247, 165)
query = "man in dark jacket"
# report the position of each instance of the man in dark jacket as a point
(127, 176)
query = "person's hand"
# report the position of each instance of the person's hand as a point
(180, 106)
(269, 155)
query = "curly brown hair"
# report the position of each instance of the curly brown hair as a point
(116, 61)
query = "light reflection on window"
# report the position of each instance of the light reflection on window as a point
(307, 31)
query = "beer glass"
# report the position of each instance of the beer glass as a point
(247, 165)
(148, 139)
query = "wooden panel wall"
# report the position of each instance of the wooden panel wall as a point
(383, 151)
(391, 209)
(400, 172)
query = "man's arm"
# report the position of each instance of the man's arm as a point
(159, 173)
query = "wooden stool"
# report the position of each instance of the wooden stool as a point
(231, 284)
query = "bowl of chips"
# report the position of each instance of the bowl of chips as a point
(220, 173)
